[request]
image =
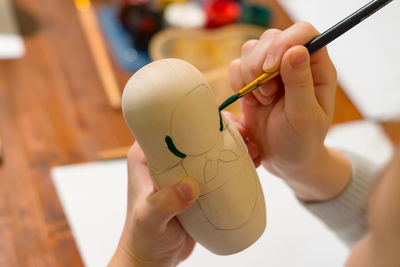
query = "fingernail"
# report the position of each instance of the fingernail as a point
(269, 62)
(298, 60)
(188, 188)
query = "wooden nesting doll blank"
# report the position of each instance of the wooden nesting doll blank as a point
(173, 115)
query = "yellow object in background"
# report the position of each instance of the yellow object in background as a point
(82, 5)
(165, 3)
(97, 47)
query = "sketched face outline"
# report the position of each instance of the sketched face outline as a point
(194, 124)
(196, 128)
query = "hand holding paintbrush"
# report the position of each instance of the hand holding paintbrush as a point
(314, 45)
(288, 117)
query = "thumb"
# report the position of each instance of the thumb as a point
(298, 81)
(159, 208)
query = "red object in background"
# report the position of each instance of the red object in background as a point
(221, 12)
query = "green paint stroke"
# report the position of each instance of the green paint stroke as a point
(224, 105)
(173, 148)
(221, 123)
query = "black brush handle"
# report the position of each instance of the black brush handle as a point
(345, 25)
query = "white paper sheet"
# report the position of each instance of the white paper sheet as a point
(367, 57)
(93, 196)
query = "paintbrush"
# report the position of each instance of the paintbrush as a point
(315, 44)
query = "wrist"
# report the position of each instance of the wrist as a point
(121, 258)
(321, 179)
(126, 256)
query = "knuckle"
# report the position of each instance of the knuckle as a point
(303, 82)
(270, 33)
(233, 66)
(139, 218)
(303, 120)
(308, 26)
(248, 46)
(166, 202)
(254, 69)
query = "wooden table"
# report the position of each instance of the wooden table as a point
(1, 150)
(53, 111)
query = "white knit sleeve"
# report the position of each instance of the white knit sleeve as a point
(346, 214)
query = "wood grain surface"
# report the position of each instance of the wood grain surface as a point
(54, 111)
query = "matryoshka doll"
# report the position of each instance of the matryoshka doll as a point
(173, 115)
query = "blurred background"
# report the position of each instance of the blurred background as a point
(63, 67)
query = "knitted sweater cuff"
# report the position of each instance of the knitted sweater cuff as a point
(346, 214)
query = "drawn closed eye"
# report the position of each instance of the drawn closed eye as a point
(171, 147)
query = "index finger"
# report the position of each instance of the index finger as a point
(298, 34)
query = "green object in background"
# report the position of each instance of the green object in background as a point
(255, 14)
